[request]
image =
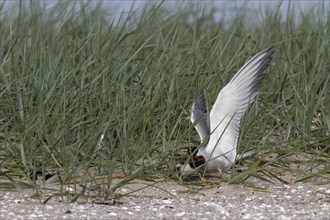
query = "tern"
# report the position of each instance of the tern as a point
(218, 148)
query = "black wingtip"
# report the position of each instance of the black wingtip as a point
(268, 56)
(201, 94)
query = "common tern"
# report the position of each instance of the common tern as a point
(219, 141)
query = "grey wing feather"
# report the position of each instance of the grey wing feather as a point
(199, 116)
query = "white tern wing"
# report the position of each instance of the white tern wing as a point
(229, 107)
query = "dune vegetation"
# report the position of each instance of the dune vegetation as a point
(86, 98)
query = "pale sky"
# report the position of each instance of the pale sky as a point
(223, 7)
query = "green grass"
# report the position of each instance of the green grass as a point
(69, 77)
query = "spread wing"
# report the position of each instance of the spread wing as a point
(231, 104)
(199, 116)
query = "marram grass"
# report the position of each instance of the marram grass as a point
(85, 99)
